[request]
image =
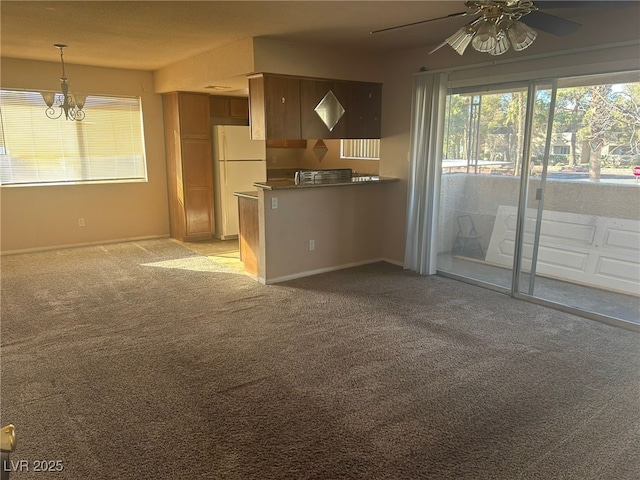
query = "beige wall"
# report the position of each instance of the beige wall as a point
(276, 56)
(46, 217)
(225, 67)
(332, 159)
(306, 158)
(344, 221)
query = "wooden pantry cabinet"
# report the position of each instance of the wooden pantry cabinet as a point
(189, 165)
(283, 107)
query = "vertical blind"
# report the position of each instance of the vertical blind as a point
(362, 148)
(108, 145)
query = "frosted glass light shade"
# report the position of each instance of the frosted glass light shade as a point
(521, 35)
(485, 38)
(79, 100)
(460, 40)
(502, 45)
(48, 98)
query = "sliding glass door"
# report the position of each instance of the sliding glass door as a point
(581, 236)
(538, 197)
(481, 181)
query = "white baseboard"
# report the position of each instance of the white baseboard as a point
(75, 245)
(398, 263)
(309, 273)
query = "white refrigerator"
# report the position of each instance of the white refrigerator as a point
(238, 162)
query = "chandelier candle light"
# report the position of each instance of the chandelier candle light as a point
(70, 104)
(498, 29)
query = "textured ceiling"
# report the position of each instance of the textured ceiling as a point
(149, 35)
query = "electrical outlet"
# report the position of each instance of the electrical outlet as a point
(312, 245)
(274, 203)
(81, 222)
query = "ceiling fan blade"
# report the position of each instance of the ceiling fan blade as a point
(551, 24)
(438, 47)
(452, 15)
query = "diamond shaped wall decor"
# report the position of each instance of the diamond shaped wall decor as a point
(330, 110)
(320, 149)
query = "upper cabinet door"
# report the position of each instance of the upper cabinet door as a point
(219, 106)
(364, 110)
(224, 107)
(194, 114)
(323, 108)
(239, 107)
(274, 104)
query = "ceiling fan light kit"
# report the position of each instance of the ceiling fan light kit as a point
(521, 35)
(460, 40)
(498, 26)
(497, 29)
(502, 45)
(486, 36)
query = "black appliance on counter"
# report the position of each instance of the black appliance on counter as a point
(337, 175)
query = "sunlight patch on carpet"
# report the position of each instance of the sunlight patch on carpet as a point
(195, 264)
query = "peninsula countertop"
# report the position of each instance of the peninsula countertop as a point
(286, 183)
(251, 195)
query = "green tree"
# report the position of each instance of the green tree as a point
(456, 127)
(571, 106)
(612, 119)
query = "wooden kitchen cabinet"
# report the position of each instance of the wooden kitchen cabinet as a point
(193, 114)
(362, 103)
(229, 107)
(239, 107)
(283, 107)
(364, 107)
(287, 143)
(274, 106)
(312, 92)
(249, 233)
(189, 165)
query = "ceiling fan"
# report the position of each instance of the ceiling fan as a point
(503, 24)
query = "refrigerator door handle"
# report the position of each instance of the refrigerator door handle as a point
(224, 157)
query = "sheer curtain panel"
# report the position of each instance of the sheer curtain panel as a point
(427, 127)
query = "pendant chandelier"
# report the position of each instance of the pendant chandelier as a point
(66, 102)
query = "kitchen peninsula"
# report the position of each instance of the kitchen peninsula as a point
(292, 229)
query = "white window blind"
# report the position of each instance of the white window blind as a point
(361, 148)
(108, 145)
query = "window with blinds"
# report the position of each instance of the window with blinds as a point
(361, 149)
(107, 146)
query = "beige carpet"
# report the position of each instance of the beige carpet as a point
(147, 360)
